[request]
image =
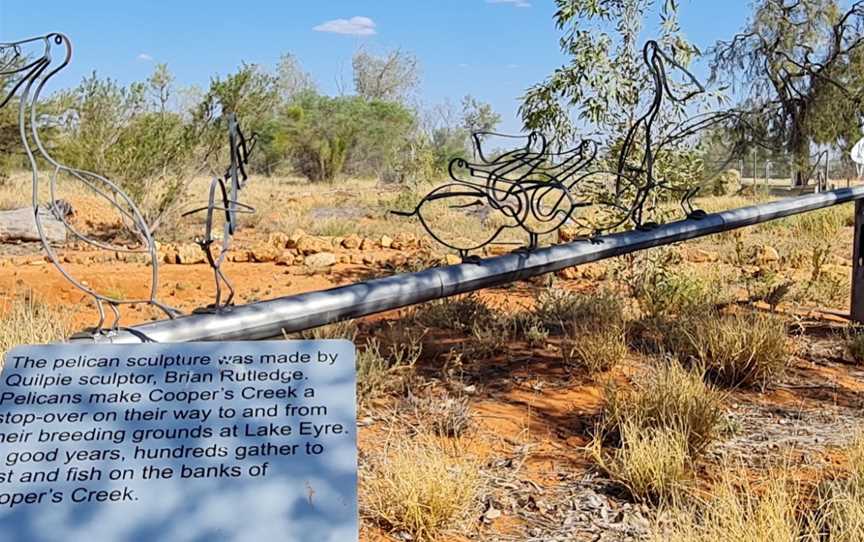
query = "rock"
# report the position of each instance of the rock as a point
(386, 241)
(265, 252)
(312, 245)
(344, 258)
(167, 254)
(356, 259)
(321, 260)
(697, 255)
(498, 250)
(295, 236)
(570, 273)
(352, 241)
(368, 259)
(766, 254)
(452, 259)
(367, 244)
(278, 239)
(286, 258)
(240, 256)
(567, 234)
(190, 253)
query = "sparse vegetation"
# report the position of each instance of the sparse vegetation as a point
(594, 350)
(652, 464)
(738, 510)
(558, 310)
(650, 436)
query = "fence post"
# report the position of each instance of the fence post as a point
(857, 309)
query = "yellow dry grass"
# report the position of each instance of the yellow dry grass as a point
(416, 486)
(26, 320)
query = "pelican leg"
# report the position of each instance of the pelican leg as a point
(115, 325)
(468, 258)
(98, 329)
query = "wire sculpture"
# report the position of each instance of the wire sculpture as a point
(536, 190)
(529, 186)
(33, 74)
(225, 199)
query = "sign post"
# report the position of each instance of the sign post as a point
(238, 441)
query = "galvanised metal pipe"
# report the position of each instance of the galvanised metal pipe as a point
(268, 319)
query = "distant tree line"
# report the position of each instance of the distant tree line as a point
(153, 137)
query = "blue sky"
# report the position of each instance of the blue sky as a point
(491, 49)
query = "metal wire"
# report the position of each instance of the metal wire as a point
(32, 76)
(539, 191)
(240, 149)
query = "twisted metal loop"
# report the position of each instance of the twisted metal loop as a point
(225, 201)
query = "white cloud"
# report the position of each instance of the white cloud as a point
(355, 26)
(144, 57)
(515, 3)
(512, 66)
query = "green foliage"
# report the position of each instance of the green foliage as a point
(604, 74)
(325, 133)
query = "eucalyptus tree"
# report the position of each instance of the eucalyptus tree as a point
(602, 82)
(798, 65)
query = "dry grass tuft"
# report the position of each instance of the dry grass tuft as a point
(841, 502)
(386, 363)
(558, 310)
(456, 313)
(649, 436)
(27, 320)
(748, 349)
(445, 416)
(669, 397)
(594, 350)
(417, 488)
(652, 463)
(739, 511)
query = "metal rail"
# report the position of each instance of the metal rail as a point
(268, 319)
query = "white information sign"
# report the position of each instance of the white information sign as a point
(236, 441)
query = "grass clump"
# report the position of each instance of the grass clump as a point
(669, 397)
(382, 365)
(738, 510)
(594, 350)
(653, 464)
(559, 310)
(28, 320)
(841, 501)
(855, 345)
(340, 330)
(445, 416)
(741, 349)
(416, 487)
(650, 435)
(455, 313)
